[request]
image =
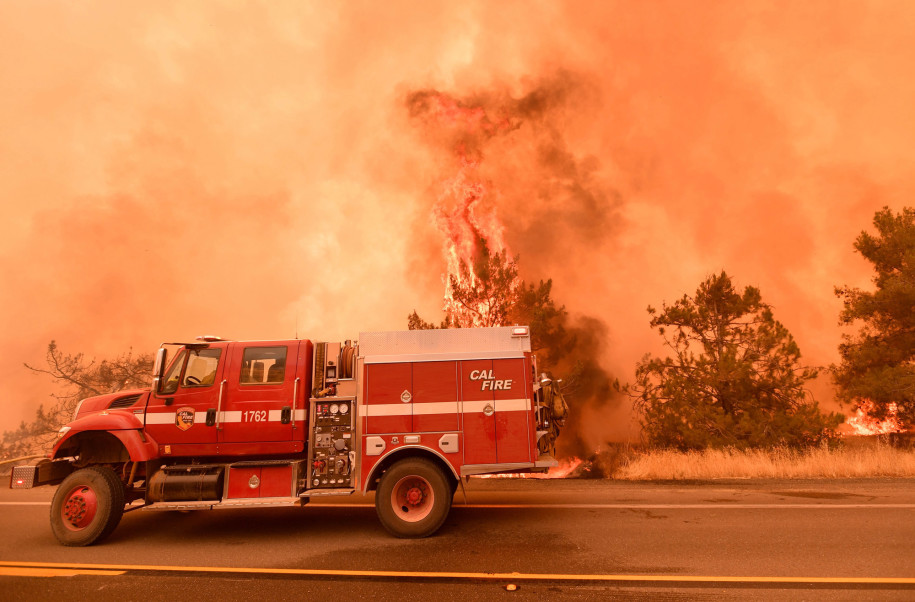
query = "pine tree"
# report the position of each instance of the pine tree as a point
(877, 368)
(734, 377)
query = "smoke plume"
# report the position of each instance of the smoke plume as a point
(254, 170)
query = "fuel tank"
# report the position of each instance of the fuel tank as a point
(183, 484)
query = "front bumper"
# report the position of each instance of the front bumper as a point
(45, 472)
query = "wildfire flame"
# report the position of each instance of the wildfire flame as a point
(565, 469)
(863, 423)
(465, 212)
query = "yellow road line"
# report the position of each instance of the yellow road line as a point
(468, 576)
(26, 571)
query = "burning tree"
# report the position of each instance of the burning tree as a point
(735, 378)
(478, 295)
(482, 286)
(877, 371)
(78, 379)
(481, 275)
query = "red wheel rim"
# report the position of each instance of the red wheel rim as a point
(79, 508)
(412, 499)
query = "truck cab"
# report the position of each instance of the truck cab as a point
(223, 398)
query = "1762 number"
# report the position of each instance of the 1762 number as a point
(255, 416)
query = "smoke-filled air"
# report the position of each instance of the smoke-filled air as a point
(260, 170)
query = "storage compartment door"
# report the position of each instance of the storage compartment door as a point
(388, 398)
(435, 405)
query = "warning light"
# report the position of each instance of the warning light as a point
(519, 331)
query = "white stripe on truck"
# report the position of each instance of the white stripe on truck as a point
(448, 407)
(230, 416)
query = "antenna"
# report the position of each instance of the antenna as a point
(297, 326)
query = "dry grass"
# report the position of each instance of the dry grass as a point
(857, 460)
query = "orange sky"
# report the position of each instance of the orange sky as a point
(171, 169)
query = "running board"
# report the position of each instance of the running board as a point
(236, 503)
(326, 492)
(544, 462)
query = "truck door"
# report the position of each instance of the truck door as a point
(263, 399)
(478, 408)
(497, 411)
(513, 410)
(181, 415)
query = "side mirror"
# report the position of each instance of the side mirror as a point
(159, 367)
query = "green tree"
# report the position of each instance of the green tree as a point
(877, 366)
(550, 335)
(77, 378)
(415, 322)
(734, 377)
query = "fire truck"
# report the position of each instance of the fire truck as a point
(230, 424)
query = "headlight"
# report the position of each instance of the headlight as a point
(63, 431)
(78, 406)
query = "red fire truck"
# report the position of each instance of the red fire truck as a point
(270, 423)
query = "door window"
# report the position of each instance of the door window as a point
(263, 365)
(201, 368)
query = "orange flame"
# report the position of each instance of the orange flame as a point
(464, 212)
(567, 466)
(864, 424)
(565, 469)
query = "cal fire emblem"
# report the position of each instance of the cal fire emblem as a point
(184, 418)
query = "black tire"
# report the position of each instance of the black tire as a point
(413, 498)
(87, 506)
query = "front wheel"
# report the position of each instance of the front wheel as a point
(87, 506)
(413, 498)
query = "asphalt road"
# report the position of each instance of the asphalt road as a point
(569, 539)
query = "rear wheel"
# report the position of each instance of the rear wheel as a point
(87, 506)
(413, 498)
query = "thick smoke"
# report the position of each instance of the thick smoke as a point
(174, 169)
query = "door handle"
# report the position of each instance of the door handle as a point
(285, 415)
(211, 416)
(222, 387)
(295, 397)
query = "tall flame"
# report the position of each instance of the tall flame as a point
(465, 212)
(864, 424)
